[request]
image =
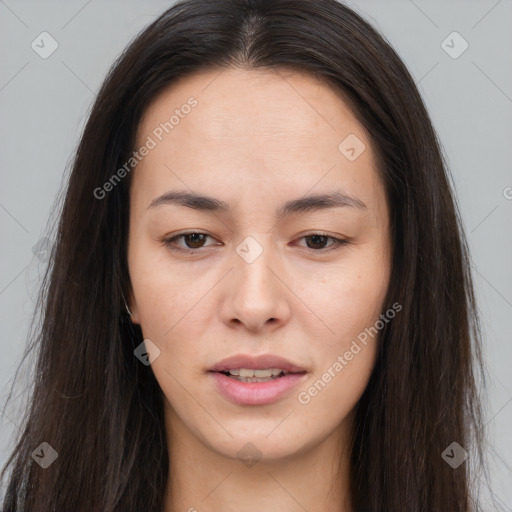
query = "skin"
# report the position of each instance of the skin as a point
(256, 139)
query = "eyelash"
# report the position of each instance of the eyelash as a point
(338, 242)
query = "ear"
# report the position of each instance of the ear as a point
(133, 309)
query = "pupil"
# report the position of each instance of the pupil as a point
(196, 239)
(319, 239)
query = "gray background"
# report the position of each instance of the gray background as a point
(43, 104)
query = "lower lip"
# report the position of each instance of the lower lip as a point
(256, 393)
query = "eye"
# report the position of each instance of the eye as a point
(316, 242)
(193, 241)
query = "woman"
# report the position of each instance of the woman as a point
(260, 295)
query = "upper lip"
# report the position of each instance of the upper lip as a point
(260, 362)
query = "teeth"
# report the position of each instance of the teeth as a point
(246, 372)
(253, 379)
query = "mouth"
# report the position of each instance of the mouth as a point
(250, 375)
(256, 380)
(263, 365)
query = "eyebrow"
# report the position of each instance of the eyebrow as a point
(303, 204)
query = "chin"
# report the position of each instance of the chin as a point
(263, 444)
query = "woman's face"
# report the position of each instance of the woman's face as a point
(263, 275)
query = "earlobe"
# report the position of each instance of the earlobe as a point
(133, 317)
(128, 311)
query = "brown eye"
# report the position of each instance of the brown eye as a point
(192, 242)
(318, 242)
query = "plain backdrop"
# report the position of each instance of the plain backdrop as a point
(44, 103)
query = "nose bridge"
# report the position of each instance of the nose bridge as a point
(256, 295)
(254, 256)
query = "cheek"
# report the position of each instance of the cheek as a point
(349, 298)
(333, 392)
(351, 306)
(353, 303)
(164, 291)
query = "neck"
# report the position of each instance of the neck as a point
(202, 480)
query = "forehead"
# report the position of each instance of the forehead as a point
(237, 103)
(252, 127)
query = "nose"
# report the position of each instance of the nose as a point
(255, 297)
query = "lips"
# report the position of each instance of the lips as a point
(260, 362)
(256, 393)
(245, 391)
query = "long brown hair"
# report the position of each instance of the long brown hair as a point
(102, 411)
